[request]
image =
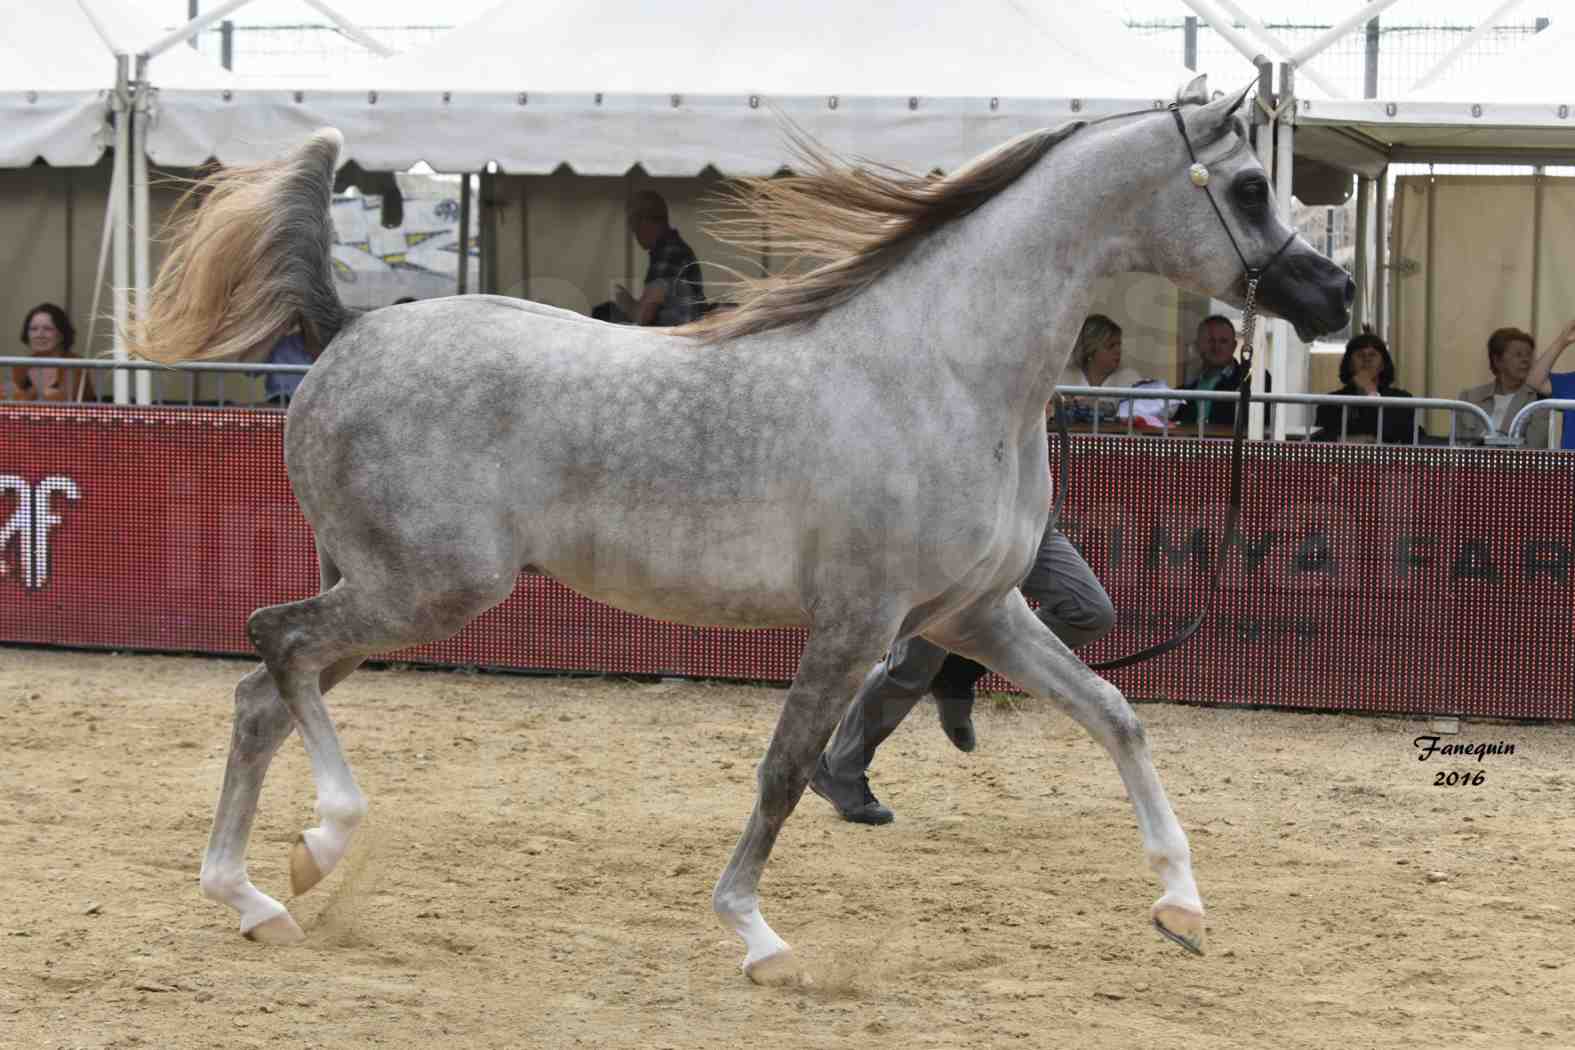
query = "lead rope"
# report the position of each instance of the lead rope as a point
(1249, 323)
(1233, 511)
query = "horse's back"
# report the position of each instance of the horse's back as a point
(642, 468)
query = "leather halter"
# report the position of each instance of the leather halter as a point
(1252, 275)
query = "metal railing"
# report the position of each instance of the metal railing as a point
(1129, 395)
(1099, 396)
(191, 369)
(1516, 432)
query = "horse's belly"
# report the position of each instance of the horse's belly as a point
(682, 572)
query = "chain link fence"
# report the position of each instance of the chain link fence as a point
(1399, 54)
(302, 50)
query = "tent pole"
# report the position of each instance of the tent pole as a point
(1264, 115)
(1487, 26)
(143, 380)
(1430, 286)
(353, 31)
(1338, 30)
(1364, 240)
(188, 31)
(487, 234)
(1223, 26)
(1262, 32)
(122, 108)
(1284, 170)
(1538, 182)
(1381, 255)
(462, 271)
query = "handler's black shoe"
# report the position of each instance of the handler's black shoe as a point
(853, 801)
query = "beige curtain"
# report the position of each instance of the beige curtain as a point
(1467, 259)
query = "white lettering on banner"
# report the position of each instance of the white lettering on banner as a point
(30, 523)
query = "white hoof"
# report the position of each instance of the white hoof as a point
(279, 930)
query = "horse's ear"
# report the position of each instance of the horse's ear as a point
(1219, 116)
(1196, 91)
(1234, 106)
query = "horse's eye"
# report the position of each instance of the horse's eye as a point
(1254, 193)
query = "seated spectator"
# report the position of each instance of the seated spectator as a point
(1510, 354)
(289, 350)
(1216, 345)
(1096, 361)
(674, 292)
(48, 332)
(1366, 370)
(1561, 385)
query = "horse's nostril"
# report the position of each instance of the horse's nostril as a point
(1350, 292)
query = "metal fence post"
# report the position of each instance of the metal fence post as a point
(1189, 43)
(227, 44)
(1370, 85)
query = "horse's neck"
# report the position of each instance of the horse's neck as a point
(1001, 294)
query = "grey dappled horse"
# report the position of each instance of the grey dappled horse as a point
(860, 450)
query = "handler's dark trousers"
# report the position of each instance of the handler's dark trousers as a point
(1071, 603)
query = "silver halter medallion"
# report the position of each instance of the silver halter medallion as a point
(1199, 175)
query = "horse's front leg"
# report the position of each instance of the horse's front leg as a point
(1010, 639)
(834, 661)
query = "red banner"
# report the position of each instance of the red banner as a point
(1375, 579)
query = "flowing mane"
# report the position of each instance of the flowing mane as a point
(856, 221)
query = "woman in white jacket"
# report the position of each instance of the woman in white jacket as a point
(1096, 361)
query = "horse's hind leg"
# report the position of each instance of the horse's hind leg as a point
(352, 620)
(830, 670)
(262, 722)
(1010, 639)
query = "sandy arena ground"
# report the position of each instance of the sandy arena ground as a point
(539, 859)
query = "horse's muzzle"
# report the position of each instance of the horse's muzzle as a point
(1308, 290)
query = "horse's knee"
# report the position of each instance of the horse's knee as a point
(1125, 728)
(262, 720)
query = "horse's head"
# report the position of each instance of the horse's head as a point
(1208, 250)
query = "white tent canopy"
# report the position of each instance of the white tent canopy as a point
(604, 85)
(54, 100)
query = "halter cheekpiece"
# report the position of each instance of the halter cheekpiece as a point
(1199, 174)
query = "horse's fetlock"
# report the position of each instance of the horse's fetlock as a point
(220, 884)
(344, 811)
(728, 903)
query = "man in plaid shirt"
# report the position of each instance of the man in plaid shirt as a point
(674, 293)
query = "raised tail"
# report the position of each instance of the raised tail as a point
(248, 260)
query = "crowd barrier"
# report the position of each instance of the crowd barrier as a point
(1422, 580)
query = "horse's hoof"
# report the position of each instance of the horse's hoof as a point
(1181, 925)
(777, 970)
(304, 872)
(279, 930)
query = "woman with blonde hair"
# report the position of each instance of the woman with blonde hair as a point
(1096, 361)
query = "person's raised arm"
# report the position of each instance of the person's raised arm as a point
(1538, 378)
(643, 310)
